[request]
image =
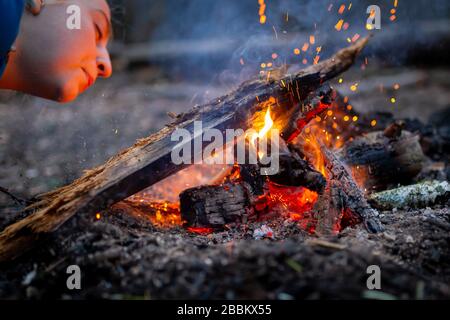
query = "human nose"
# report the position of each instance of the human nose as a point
(104, 66)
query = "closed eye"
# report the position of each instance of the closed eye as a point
(98, 32)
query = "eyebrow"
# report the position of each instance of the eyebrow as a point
(108, 24)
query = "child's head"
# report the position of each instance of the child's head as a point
(55, 62)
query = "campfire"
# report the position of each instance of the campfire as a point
(327, 168)
(312, 187)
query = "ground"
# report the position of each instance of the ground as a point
(44, 145)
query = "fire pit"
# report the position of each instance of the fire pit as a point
(145, 226)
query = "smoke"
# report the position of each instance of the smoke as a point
(223, 41)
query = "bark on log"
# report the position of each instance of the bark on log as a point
(329, 208)
(354, 200)
(378, 161)
(215, 206)
(297, 172)
(149, 160)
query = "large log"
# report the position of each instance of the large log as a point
(382, 159)
(215, 206)
(149, 160)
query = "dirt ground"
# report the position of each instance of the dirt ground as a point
(44, 145)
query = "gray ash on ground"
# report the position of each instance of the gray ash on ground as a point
(125, 257)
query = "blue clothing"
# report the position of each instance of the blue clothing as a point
(10, 15)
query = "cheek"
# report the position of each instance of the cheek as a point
(68, 86)
(61, 49)
(76, 48)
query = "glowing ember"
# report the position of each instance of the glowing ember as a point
(165, 214)
(200, 231)
(291, 200)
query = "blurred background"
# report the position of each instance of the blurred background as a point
(170, 55)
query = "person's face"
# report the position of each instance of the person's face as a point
(57, 63)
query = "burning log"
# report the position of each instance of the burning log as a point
(237, 199)
(149, 160)
(215, 206)
(354, 199)
(328, 210)
(297, 172)
(379, 159)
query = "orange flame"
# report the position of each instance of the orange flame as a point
(265, 125)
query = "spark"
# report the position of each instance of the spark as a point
(354, 87)
(355, 37)
(338, 25)
(262, 10)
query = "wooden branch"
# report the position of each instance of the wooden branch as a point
(215, 206)
(149, 160)
(378, 161)
(296, 172)
(354, 199)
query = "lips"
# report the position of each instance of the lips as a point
(90, 79)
